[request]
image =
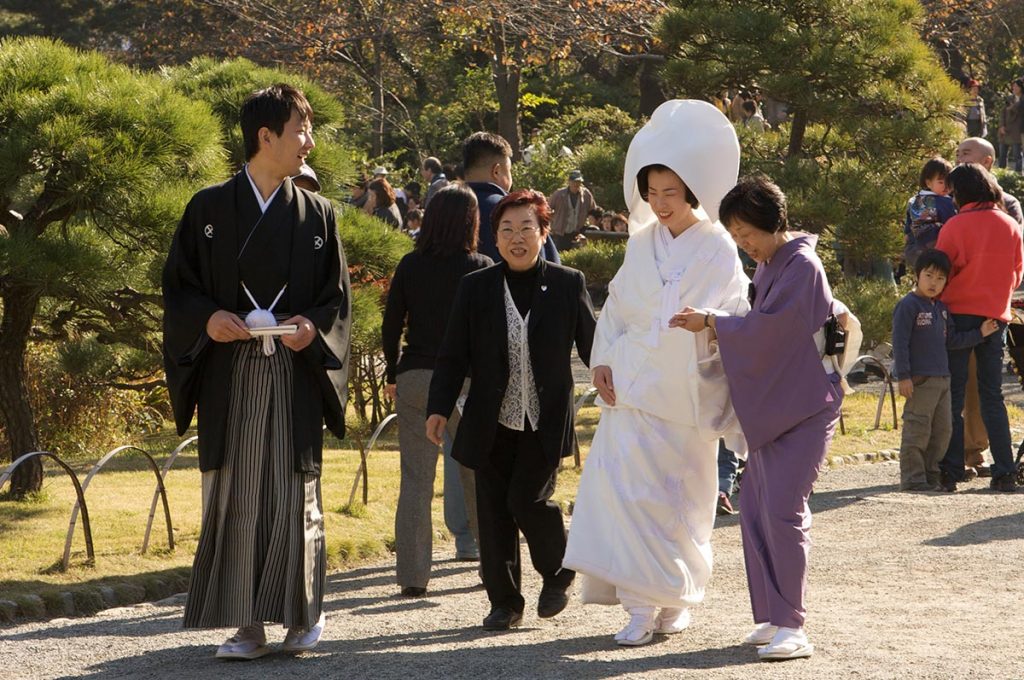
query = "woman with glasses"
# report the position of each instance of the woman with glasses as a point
(512, 327)
(641, 528)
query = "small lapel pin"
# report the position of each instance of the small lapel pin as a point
(543, 288)
(208, 231)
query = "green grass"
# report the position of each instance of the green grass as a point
(32, 533)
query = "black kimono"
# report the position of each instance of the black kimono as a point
(203, 274)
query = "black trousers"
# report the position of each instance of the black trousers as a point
(513, 491)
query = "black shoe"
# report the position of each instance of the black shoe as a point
(983, 470)
(552, 600)
(1003, 483)
(947, 483)
(502, 618)
(413, 591)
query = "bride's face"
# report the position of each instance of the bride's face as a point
(666, 194)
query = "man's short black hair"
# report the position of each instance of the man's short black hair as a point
(270, 108)
(932, 258)
(757, 201)
(484, 149)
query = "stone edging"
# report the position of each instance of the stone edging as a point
(858, 458)
(87, 600)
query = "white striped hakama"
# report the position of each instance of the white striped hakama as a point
(261, 554)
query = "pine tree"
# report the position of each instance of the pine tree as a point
(868, 102)
(96, 162)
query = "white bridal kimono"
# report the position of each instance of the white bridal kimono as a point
(641, 528)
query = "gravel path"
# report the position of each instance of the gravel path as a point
(901, 586)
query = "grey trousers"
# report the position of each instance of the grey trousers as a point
(414, 533)
(927, 427)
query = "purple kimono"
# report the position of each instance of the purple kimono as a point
(788, 406)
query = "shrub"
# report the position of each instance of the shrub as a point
(545, 172)
(599, 261)
(601, 163)
(872, 302)
(588, 124)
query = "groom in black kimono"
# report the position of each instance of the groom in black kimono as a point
(257, 251)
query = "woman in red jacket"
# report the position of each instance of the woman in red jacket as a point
(984, 245)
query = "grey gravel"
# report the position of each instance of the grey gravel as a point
(901, 586)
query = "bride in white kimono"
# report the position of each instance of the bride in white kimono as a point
(641, 527)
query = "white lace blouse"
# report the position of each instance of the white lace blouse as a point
(520, 401)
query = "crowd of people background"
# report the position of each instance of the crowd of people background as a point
(691, 359)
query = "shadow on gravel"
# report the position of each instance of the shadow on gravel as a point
(840, 498)
(142, 622)
(366, 577)
(1005, 528)
(396, 656)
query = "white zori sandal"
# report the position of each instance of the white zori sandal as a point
(639, 630)
(788, 643)
(250, 642)
(761, 635)
(672, 620)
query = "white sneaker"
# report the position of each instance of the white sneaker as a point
(302, 640)
(761, 635)
(639, 630)
(672, 620)
(250, 642)
(788, 643)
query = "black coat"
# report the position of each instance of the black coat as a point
(476, 344)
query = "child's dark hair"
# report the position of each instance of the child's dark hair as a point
(932, 258)
(935, 168)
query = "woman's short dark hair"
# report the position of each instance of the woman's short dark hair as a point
(270, 108)
(642, 183)
(452, 224)
(972, 183)
(385, 194)
(529, 197)
(935, 168)
(757, 201)
(932, 258)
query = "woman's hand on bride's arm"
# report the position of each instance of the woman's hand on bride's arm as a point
(689, 319)
(602, 379)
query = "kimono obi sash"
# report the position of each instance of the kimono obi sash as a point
(654, 368)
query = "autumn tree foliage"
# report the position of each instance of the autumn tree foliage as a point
(867, 100)
(390, 47)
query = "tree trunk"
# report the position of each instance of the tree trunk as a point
(796, 133)
(15, 409)
(506, 89)
(652, 95)
(378, 94)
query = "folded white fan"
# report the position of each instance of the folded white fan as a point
(262, 331)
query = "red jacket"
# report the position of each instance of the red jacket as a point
(984, 245)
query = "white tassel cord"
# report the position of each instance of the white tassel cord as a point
(263, 318)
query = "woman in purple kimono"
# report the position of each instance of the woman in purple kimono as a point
(787, 400)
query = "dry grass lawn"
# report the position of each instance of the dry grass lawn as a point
(32, 533)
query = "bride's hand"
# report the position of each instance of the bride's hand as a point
(602, 379)
(689, 319)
